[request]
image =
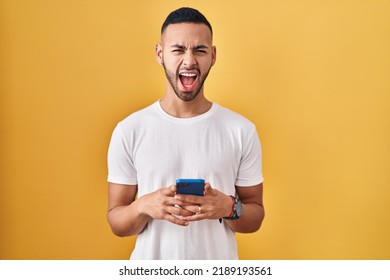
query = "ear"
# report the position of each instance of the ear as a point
(158, 54)
(213, 55)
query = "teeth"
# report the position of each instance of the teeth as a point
(188, 74)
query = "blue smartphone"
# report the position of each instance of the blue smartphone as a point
(190, 186)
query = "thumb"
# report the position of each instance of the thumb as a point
(207, 188)
(173, 188)
(169, 191)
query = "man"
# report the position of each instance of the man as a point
(184, 135)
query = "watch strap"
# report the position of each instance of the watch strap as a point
(233, 214)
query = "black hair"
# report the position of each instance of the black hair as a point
(185, 14)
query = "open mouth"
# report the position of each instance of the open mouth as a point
(188, 80)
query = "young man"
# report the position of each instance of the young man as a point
(184, 135)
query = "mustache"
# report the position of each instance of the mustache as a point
(188, 69)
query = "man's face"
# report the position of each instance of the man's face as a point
(187, 54)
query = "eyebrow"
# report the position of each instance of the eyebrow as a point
(198, 47)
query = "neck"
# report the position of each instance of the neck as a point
(178, 108)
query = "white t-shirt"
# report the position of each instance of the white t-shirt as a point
(152, 149)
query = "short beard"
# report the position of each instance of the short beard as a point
(186, 96)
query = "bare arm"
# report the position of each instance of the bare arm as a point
(123, 214)
(252, 211)
(215, 205)
(129, 216)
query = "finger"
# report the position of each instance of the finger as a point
(189, 199)
(172, 201)
(196, 217)
(179, 211)
(174, 220)
(183, 204)
(194, 208)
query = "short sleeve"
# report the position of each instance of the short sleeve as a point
(121, 168)
(250, 170)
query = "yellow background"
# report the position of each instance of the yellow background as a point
(312, 75)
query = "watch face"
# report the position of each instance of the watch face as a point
(238, 208)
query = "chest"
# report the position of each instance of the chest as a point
(197, 151)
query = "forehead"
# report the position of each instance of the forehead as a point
(187, 33)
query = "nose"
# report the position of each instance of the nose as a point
(189, 60)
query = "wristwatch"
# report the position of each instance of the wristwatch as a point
(237, 209)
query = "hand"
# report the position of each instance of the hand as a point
(213, 205)
(162, 205)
